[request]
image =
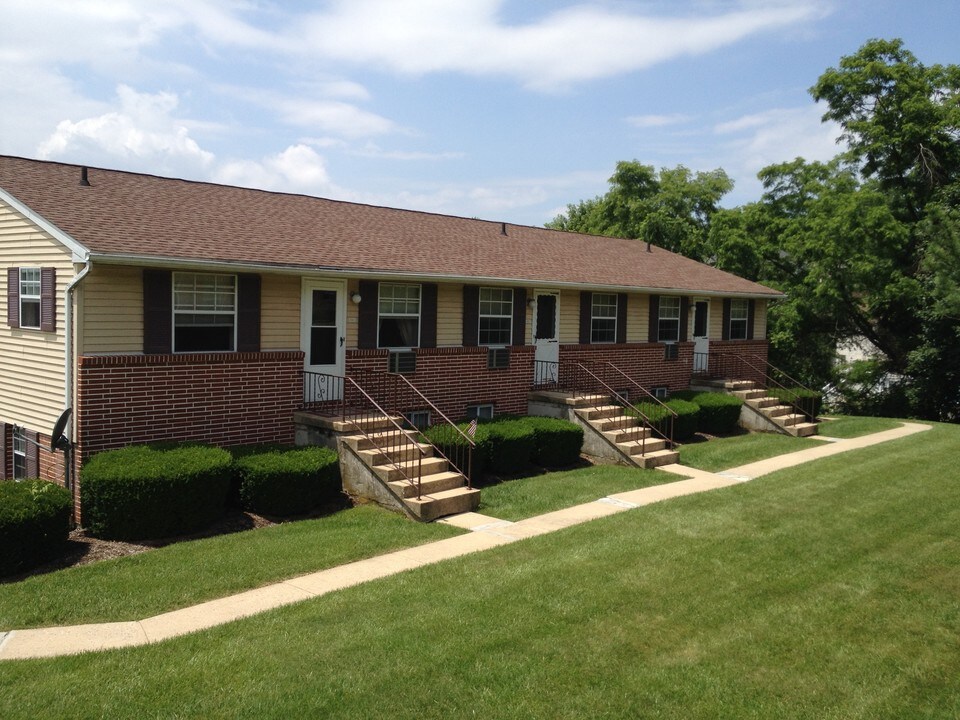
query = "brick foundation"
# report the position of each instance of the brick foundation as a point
(457, 377)
(724, 354)
(220, 398)
(642, 362)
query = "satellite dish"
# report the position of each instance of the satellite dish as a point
(59, 441)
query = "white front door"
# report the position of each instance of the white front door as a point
(546, 335)
(323, 325)
(701, 336)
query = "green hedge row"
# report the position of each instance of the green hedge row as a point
(154, 491)
(34, 523)
(684, 425)
(509, 445)
(719, 412)
(287, 482)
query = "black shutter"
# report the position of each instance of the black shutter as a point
(157, 312)
(3, 451)
(367, 314)
(684, 318)
(621, 318)
(751, 310)
(586, 314)
(653, 333)
(13, 297)
(519, 316)
(428, 315)
(33, 454)
(725, 334)
(248, 313)
(471, 315)
(48, 299)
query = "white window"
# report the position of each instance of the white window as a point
(399, 316)
(204, 312)
(30, 298)
(482, 412)
(603, 318)
(496, 316)
(739, 314)
(668, 328)
(19, 455)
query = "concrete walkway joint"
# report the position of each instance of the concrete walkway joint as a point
(485, 532)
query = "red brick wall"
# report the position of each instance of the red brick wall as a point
(724, 361)
(642, 362)
(453, 378)
(220, 398)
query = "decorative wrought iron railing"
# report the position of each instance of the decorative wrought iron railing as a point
(777, 382)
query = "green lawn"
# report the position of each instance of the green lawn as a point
(724, 453)
(526, 497)
(824, 591)
(187, 573)
(849, 426)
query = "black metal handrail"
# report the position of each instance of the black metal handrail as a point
(546, 374)
(806, 405)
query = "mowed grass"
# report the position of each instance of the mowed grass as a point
(824, 591)
(727, 452)
(525, 497)
(187, 573)
(851, 426)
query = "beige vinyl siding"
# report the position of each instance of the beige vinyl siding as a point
(280, 297)
(111, 298)
(760, 320)
(31, 361)
(569, 316)
(638, 318)
(716, 319)
(449, 315)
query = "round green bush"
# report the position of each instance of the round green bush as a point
(556, 442)
(508, 446)
(719, 412)
(34, 523)
(148, 492)
(453, 445)
(288, 481)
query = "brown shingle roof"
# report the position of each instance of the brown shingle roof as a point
(124, 215)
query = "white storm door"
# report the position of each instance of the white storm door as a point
(546, 334)
(701, 336)
(323, 322)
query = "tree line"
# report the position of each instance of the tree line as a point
(866, 246)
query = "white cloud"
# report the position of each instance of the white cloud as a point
(143, 128)
(574, 44)
(332, 116)
(652, 121)
(297, 169)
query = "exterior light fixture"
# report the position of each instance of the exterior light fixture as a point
(355, 297)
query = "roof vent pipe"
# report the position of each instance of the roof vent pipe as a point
(84, 181)
(503, 228)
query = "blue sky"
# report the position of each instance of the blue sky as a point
(501, 109)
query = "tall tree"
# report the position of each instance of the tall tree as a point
(671, 209)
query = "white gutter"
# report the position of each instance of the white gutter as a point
(68, 343)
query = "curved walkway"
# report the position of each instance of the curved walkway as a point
(487, 532)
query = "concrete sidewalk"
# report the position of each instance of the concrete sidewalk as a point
(486, 532)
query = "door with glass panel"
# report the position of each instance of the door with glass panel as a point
(546, 336)
(322, 338)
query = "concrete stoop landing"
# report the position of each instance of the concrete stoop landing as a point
(392, 468)
(608, 432)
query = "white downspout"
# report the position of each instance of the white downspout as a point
(68, 343)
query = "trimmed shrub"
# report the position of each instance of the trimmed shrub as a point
(719, 412)
(143, 492)
(34, 523)
(509, 447)
(685, 424)
(453, 445)
(810, 400)
(291, 481)
(556, 442)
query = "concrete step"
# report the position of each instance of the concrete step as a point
(762, 402)
(429, 484)
(584, 401)
(616, 422)
(383, 439)
(634, 433)
(788, 420)
(749, 394)
(446, 502)
(803, 429)
(386, 455)
(648, 446)
(657, 458)
(428, 466)
(604, 411)
(776, 411)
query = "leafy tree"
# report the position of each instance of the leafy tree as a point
(671, 209)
